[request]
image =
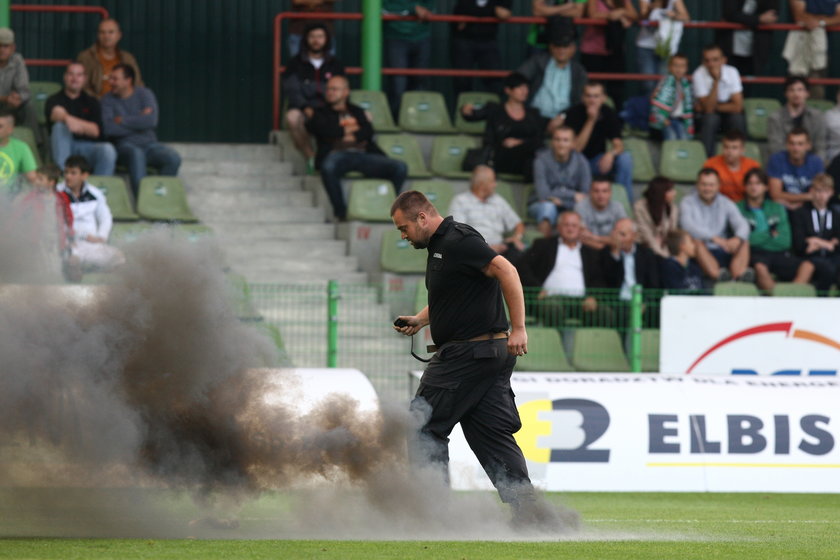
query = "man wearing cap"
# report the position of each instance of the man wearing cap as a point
(14, 84)
(556, 81)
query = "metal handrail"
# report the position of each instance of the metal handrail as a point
(51, 8)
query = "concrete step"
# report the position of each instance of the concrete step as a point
(236, 167)
(315, 266)
(226, 151)
(239, 251)
(201, 182)
(279, 214)
(305, 278)
(228, 198)
(230, 231)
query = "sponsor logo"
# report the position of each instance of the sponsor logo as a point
(563, 431)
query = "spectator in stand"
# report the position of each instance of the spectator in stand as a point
(602, 46)
(807, 51)
(76, 118)
(747, 49)
(680, 270)
(652, 43)
(722, 232)
(770, 236)
(657, 215)
(514, 131)
(560, 14)
(297, 27)
(475, 44)
(304, 82)
(103, 56)
(832, 129)
(555, 78)
(15, 95)
(626, 264)
(595, 123)
(564, 271)
(92, 218)
(672, 103)
(561, 179)
(816, 233)
(17, 158)
(345, 143)
(130, 117)
(792, 170)
(599, 213)
(490, 214)
(732, 165)
(718, 97)
(408, 44)
(796, 113)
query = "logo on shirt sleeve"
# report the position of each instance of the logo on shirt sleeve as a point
(437, 256)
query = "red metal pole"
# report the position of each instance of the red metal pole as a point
(67, 9)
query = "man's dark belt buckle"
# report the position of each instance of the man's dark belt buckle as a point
(488, 336)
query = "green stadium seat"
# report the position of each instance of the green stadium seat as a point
(240, 295)
(40, 92)
(505, 190)
(751, 150)
(650, 349)
(191, 232)
(448, 153)
(682, 159)
(398, 255)
(643, 168)
(439, 193)
(117, 193)
(545, 352)
(375, 103)
(682, 191)
(370, 200)
(757, 110)
(619, 194)
(738, 289)
(27, 135)
(790, 289)
(405, 148)
(821, 104)
(421, 297)
(598, 349)
(478, 99)
(123, 233)
(424, 111)
(163, 199)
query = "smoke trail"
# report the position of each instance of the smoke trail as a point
(150, 381)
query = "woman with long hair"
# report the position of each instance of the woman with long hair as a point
(657, 214)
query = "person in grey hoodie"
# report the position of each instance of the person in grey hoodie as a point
(15, 95)
(129, 118)
(720, 229)
(562, 178)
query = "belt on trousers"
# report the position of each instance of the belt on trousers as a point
(487, 336)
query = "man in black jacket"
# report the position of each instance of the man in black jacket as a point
(561, 276)
(304, 83)
(747, 50)
(345, 143)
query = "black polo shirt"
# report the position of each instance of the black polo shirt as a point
(463, 302)
(85, 107)
(608, 126)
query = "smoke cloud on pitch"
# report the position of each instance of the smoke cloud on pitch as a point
(117, 402)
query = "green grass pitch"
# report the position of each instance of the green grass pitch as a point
(616, 526)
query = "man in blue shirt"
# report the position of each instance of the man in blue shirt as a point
(792, 170)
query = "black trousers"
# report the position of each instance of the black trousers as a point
(467, 53)
(469, 382)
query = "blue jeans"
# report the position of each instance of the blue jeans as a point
(544, 210)
(622, 171)
(101, 155)
(401, 53)
(649, 63)
(338, 163)
(676, 131)
(136, 158)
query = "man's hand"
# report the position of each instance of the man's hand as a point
(14, 100)
(556, 201)
(74, 125)
(147, 111)
(592, 112)
(589, 304)
(606, 162)
(770, 16)
(90, 238)
(467, 109)
(413, 327)
(118, 119)
(518, 342)
(58, 114)
(422, 13)
(512, 142)
(308, 111)
(580, 196)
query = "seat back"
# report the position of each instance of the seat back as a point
(791, 289)
(545, 352)
(682, 159)
(424, 111)
(477, 99)
(740, 289)
(405, 148)
(598, 349)
(650, 349)
(751, 150)
(643, 168)
(619, 194)
(757, 110)
(375, 103)
(163, 199)
(370, 200)
(505, 190)
(117, 194)
(40, 92)
(421, 296)
(439, 193)
(398, 255)
(821, 104)
(27, 135)
(448, 154)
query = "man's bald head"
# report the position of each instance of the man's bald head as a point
(338, 90)
(483, 181)
(624, 232)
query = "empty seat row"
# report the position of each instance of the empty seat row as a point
(161, 199)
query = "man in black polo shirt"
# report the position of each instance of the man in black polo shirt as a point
(468, 379)
(595, 123)
(76, 124)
